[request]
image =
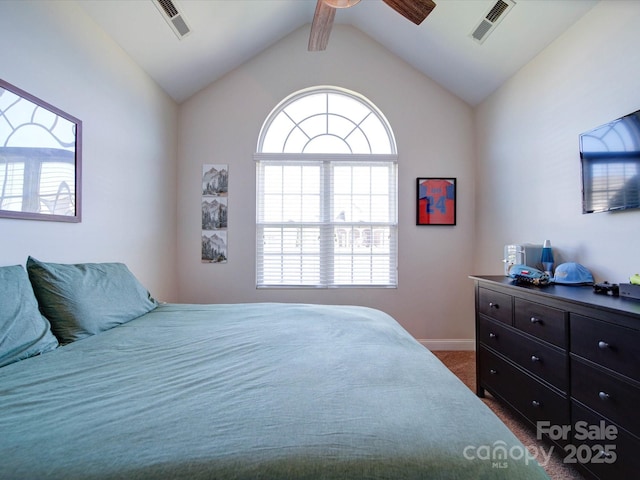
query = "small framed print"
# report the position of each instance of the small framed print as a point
(436, 201)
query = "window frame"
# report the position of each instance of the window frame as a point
(326, 253)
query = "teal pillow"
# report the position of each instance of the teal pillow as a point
(83, 299)
(24, 332)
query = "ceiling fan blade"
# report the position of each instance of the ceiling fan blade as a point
(414, 10)
(321, 26)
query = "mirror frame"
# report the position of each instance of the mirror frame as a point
(76, 217)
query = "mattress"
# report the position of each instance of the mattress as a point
(263, 390)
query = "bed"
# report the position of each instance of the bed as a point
(227, 391)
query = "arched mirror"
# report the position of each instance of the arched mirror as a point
(40, 158)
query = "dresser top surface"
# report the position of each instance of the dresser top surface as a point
(583, 295)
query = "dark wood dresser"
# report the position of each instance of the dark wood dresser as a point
(568, 361)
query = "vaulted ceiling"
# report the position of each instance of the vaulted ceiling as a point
(223, 34)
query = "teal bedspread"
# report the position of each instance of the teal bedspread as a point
(269, 391)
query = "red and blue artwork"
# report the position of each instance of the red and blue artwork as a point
(436, 201)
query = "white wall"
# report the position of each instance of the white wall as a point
(524, 187)
(434, 133)
(528, 173)
(55, 52)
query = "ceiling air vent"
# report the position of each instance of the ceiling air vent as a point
(489, 22)
(173, 17)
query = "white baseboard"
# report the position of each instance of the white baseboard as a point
(449, 344)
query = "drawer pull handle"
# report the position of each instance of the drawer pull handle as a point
(492, 335)
(535, 403)
(535, 320)
(534, 358)
(603, 345)
(493, 371)
(604, 396)
(494, 305)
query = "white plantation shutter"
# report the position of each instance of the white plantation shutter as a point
(326, 194)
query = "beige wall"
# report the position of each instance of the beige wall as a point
(434, 133)
(55, 52)
(528, 175)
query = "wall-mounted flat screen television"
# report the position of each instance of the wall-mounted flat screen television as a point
(610, 157)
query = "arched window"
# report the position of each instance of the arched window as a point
(326, 193)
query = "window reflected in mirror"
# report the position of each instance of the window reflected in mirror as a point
(40, 159)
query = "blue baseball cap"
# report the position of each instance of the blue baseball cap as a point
(572, 273)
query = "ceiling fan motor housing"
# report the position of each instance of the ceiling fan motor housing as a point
(341, 3)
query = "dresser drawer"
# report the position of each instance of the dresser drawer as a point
(546, 323)
(590, 369)
(495, 305)
(621, 460)
(611, 346)
(531, 398)
(612, 397)
(545, 361)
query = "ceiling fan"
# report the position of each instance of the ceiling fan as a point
(414, 10)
